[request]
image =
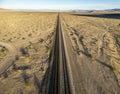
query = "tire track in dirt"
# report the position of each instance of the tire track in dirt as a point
(8, 60)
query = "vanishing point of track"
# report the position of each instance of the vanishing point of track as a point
(59, 78)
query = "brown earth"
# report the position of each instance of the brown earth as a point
(92, 42)
(27, 39)
(95, 39)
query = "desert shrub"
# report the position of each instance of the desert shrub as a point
(5, 75)
(25, 77)
(41, 68)
(16, 57)
(14, 66)
(23, 51)
(117, 39)
(41, 40)
(29, 34)
(30, 42)
(23, 38)
(47, 48)
(10, 40)
(78, 51)
(2, 49)
(81, 36)
(91, 55)
(25, 67)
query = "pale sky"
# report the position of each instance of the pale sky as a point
(60, 4)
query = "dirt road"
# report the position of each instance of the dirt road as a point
(8, 60)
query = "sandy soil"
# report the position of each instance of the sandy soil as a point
(27, 38)
(92, 43)
(96, 47)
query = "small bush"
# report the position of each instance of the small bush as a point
(16, 57)
(23, 38)
(29, 34)
(25, 77)
(23, 51)
(41, 40)
(5, 75)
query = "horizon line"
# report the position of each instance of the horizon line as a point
(54, 9)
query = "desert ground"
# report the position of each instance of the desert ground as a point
(25, 40)
(95, 39)
(91, 43)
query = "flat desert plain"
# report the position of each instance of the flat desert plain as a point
(95, 38)
(26, 40)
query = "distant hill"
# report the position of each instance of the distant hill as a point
(116, 10)
(107, 10)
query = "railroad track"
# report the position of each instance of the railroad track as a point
(59, 77)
